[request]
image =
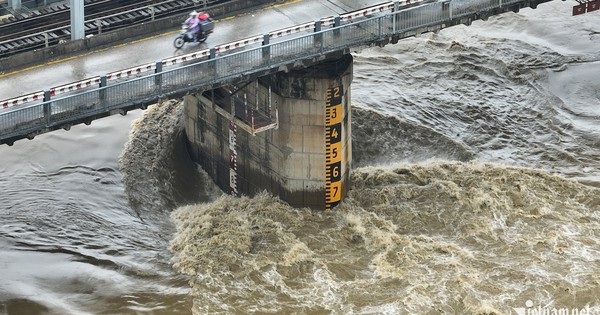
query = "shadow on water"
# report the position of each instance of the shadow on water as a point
(379, 139)
(157, 170)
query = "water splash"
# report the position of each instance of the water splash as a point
(450, 237)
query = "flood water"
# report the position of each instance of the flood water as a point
(476, 190)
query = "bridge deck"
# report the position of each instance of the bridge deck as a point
(244, 60)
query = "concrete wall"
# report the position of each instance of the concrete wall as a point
(123, 35)
(290, 161)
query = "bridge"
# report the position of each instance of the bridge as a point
(239, 85)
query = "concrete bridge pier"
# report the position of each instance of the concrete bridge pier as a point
(287, 133)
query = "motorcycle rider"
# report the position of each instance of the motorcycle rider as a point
(203, 19)
(193, 22)
(195, 28)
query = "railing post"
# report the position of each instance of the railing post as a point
(266, 51)
(99, 26)
(447, 5)
(46, 39)
(213, 65)
(318, 36)
(102, 93)
(158, 75)
(152, 13)
(47, 105)
(395, 17)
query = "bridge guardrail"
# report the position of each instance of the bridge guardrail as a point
(220, 49)
(96, 100)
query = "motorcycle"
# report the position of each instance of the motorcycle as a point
(186, 35)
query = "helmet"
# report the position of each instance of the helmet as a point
(203, 16)
(193, 13)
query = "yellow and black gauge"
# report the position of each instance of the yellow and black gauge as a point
(333, 147)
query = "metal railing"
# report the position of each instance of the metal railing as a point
(21, 121)
(99, 25)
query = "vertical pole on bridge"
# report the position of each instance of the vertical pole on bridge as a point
(395, 17)
(77, 17)
(102, 95)
(212, 66)
(14, 4)
(158, 75)
(447, 6)
(47, 105)
(99, 26)
(266, 51)
(337, 21)
(318, 36)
